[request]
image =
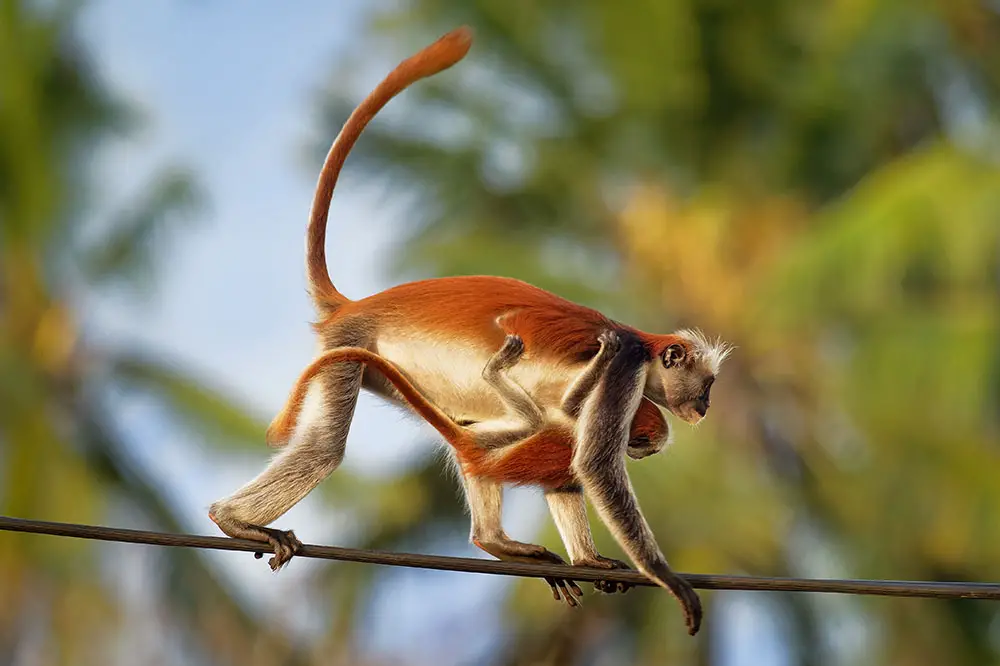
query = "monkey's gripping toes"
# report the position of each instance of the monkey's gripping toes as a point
(509, 550)
(283, 542)
(285, 545)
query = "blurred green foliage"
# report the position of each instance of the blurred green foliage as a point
(819, 184)
(61, 456)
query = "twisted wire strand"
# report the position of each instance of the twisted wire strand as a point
(892, 588)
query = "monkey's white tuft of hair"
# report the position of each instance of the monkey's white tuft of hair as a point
(712, 353)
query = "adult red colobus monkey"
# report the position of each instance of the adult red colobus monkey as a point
(441, 333)
(536, 449)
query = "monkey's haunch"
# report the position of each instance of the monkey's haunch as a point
(891, 588)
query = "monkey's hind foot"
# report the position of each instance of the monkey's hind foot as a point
(563, 589)
(606, 586)
(283, 543)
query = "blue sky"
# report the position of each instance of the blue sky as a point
(233, 95)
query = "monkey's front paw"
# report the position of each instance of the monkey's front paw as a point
(610, 341)
(606, 586)
(285, 545)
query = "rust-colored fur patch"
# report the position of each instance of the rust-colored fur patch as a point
(648, 422)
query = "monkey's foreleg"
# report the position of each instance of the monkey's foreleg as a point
(294, 472)
(599, 463)
(587, 380)
(485, 499)
(569, 512)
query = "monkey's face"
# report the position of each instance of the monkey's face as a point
(682, 382)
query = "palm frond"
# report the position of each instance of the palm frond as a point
(128, 252)
(194, 403)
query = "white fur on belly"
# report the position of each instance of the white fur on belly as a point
(451, 375)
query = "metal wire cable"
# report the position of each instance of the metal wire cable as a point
(892, 588)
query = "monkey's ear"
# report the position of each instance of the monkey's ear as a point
(673, 355)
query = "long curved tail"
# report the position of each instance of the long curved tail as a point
(281, 428)
(439, 56)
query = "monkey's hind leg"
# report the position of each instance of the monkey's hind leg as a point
(296, 470)
(485, 499)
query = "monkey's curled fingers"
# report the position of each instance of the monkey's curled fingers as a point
(606, 586)
(610, 341)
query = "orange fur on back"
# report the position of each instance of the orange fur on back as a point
(480, 310)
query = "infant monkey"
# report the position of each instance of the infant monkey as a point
(535, 448)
